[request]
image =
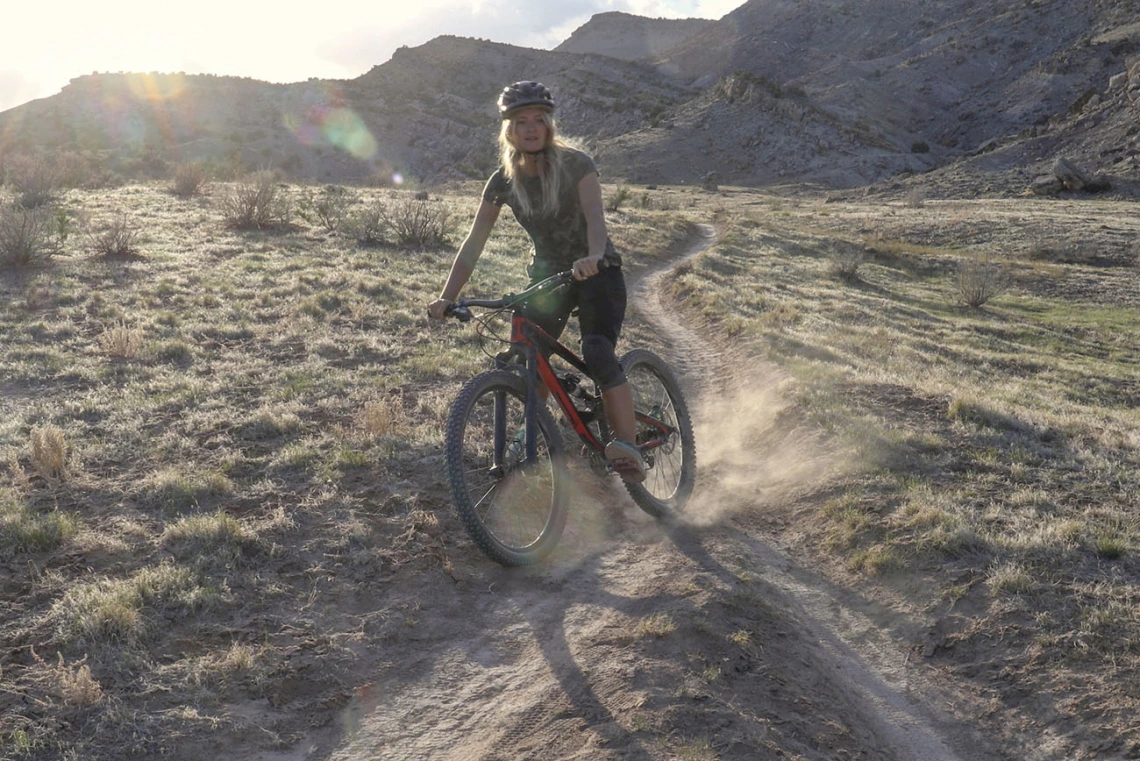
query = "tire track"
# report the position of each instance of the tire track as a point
(871, 661)
(597, 655)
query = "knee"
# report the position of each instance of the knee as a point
(601, 360)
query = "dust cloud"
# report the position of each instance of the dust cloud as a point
(752, 452)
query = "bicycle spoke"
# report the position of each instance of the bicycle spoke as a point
(514, 510)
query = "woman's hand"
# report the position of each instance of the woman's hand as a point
(437, 309)
(587, 266)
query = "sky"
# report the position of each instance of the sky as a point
(49, 42)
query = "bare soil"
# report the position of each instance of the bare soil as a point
(641, 640)
(727, 635)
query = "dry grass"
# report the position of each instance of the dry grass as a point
(72, 683)
(656, 625)
(49, 451)
(272, 404)
(997, 445)
(121, 341)
(380, 417)
(269, 456)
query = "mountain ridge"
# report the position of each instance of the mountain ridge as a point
(776, 91)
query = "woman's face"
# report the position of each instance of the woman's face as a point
(528, 129)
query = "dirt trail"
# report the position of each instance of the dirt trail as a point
(640, 641)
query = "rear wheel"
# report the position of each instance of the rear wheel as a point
(514, 509)
(660, 406)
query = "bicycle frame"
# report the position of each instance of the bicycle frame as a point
(534, 345)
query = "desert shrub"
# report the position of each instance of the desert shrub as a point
(329, 207)
(117, 239)
(620, 195)
(77, 170)
(979, 281)
(919, 146)
(916, 198)
(257, 202)
(417, 222)
(188, 180)
(368, 226)
(31, 235)
(846, 260)
(35, 180)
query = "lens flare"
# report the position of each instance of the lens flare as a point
(156, 87)
(330, 123)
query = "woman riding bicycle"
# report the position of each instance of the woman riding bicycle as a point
(555, 194)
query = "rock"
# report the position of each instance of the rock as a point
(1098, 184)
(1118, 81)
(1069, 175)
(1046, 185)
(988, 146)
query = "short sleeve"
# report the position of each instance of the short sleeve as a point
(581, 166)
(497, 189)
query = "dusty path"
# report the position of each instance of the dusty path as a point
(642, 642)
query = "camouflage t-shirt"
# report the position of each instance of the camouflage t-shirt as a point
(560, 239)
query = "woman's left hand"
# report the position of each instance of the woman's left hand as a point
(587, 266)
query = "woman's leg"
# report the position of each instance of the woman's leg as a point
(601, 311)
(620, 413)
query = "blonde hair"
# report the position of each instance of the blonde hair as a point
(549, 172)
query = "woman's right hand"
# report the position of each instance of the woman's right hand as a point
(437, 309)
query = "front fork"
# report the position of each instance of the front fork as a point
(529, 357)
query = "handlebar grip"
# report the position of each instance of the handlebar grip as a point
(461, 313)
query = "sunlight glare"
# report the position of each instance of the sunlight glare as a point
(328, 122)
(156, 87)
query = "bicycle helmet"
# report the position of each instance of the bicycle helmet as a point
(522, 94)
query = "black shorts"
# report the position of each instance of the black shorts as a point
(600, 301)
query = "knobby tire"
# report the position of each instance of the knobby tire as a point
(516, 517)
(670, 481)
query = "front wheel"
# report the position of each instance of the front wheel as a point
(662, 418)
(513, 507)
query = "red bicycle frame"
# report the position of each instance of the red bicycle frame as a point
(535, 344)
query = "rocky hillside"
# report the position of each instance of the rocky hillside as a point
(629, 37)
(779, 91)
(943, 82)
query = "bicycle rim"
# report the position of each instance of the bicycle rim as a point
(514, 510)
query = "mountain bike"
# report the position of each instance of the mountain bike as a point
(505, 454)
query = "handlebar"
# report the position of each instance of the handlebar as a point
(461, 310)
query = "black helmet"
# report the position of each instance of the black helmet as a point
(522, 94)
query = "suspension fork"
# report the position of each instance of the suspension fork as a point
(529, 355)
